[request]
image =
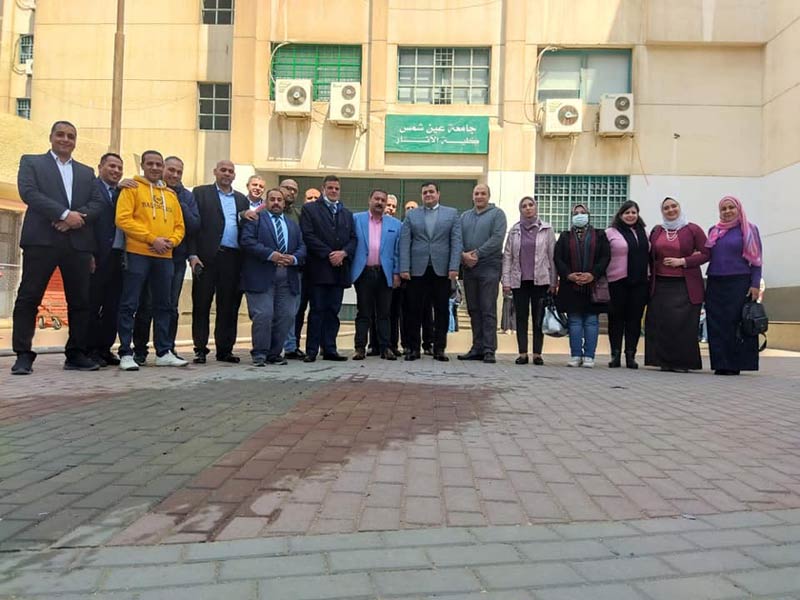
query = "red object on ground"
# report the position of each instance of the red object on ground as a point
(53, 309)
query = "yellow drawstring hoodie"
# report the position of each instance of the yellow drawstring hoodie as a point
(148, 211)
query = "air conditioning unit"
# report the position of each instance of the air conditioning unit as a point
(29, 67)
(562, 117)
(345, 107)
(293, 97)
(616, 114)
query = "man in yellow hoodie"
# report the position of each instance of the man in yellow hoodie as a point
(151, 218)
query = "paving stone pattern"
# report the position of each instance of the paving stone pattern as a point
(668, 558)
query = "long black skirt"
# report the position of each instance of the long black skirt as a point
(725, 297)
(671, 327)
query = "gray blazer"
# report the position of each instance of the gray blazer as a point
(442, 250)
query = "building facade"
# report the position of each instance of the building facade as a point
(460, 91)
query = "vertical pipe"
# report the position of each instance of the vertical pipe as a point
(116, 92)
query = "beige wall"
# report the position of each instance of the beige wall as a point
(14, 83)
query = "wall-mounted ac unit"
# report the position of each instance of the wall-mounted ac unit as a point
(293, 97)
(345, 107)
(29, 67)
(616, 115)
(562, 117)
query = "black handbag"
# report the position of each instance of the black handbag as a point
(754, 322)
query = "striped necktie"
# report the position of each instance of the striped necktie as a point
(279, 234)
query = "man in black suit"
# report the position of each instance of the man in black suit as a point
(330, 239)
(216, 262)
(105, 284)
(62, 202)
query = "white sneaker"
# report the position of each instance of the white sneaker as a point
(588, 363)
(575, 361)
(126, 363)
(170, 360)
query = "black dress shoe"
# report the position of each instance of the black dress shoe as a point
(99, 360)
(80, 362)
(441, 357)
(334, 357)
(309, 358)
(630, 360)
(24, 364)
(111, 360)
(521, 360)
(538, 361)
(470, 356)
(277, 360)
(359, 354)
(412, 355)
(199, 358)
(427, 351)
(229, 358)
(295, 355)
(488, 357)
(388, 354)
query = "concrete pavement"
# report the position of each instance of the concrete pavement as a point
(541, 482)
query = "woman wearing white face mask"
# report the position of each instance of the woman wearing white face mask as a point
(581, 256)
(677, 249)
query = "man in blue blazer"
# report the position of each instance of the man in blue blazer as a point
(430, 253)
(329, 235)
(375, 273)
(63, 202)
(272, 253)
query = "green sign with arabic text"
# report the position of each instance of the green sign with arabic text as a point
(440, 134)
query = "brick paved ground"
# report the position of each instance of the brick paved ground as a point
(461, 451)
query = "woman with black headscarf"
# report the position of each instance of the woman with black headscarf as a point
(581, 258)
(627, 282)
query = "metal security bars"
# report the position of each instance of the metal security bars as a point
(443, 75)
(24, 108)
(25, 48)
(217, 12)
(602, 195)
(214, 106)
(322, 64)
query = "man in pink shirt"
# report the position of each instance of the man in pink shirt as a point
(375, 272)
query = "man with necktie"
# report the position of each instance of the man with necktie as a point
(330, 240)
(63, 201)
(105, 285)
(272, 253)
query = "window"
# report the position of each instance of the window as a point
(602, 194)
(25, 48)
(443, 75)
(217, 12)
(24, 108)
(215, 106)
(584, 74)
(322, 64)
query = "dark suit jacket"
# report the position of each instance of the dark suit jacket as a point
(205, 243)
(322, 235)
(42, 189)
(258, 241)
(104, 227)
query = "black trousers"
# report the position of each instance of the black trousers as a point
(481, 296)
(301, 311)
(323, 319)
(105, 288)
(38, 264)
(529, 296)
(220, 278)
(396, 333)
(374, 299)
(625, 314)
(428, 290)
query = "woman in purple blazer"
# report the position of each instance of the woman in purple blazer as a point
(677, 249)
(734, 273)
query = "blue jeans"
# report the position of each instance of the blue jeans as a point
(583, 332)
(144, 314)
(157, 273)
(272, 313)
